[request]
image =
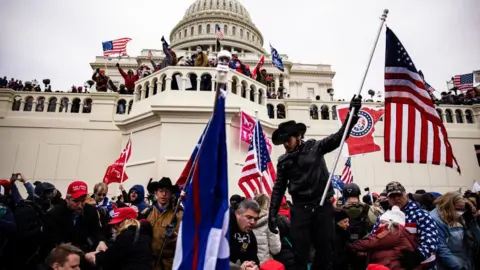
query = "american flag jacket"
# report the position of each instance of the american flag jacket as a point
(419, 223)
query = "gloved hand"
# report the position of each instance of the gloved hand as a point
(468, 216)
(97, 70)
(272, 224)
(117, 64)
(163, 39)
(411, 259)
(356, 103)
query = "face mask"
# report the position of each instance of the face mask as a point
(385, 205)
(459, 213)
(199, 50)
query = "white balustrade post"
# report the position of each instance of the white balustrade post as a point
(198, 83)
(142, 93)
(81, 107)
(213, 84)
(229, 86)
(239, 89)
(255, 96)
(150, 90)
(168, 81)
(22, 105)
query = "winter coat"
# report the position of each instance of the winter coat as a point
(267, 242)
(129, 80)
(131, 250)
(453, 252)
(7, 227)
(385, 247)
(305, 172)
(340, 249)
(86, 232)
(160, 219)
(286, 255)
(243, 246)
(101, 80)
(420, 223)
(201, 60)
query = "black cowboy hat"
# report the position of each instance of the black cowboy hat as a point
(287, 129)
(165, 182)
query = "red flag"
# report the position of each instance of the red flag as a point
(258, 66)
(116, 172)
(361, 140)
(247, 125)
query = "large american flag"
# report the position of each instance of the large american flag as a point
(219, 32)
(347, 174)
(414, 133)
(463, 82)
(116, 46)
(258, 174)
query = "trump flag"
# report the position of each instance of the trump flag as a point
(247, 125)
(202, 238)
(361, 140)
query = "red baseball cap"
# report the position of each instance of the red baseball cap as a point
(120, 214)
(77, 189)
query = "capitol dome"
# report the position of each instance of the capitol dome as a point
(197, 27)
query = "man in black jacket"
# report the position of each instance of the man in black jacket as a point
(302, 168)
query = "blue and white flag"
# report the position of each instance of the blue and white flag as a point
(337, 183)
(276, 59)
(202, 239)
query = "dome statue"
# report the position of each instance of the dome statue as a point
(198, 27)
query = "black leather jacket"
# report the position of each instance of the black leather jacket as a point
(304, 171)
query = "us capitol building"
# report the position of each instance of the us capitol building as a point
(61, 137)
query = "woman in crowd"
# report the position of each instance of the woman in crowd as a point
(342, 238)
(268, 243)
(131, 249)
(459, 234)
(387, 245)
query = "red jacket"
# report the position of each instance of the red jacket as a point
(129, 80)
(384, 247)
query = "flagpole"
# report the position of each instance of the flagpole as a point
(128, 153)
(347, 127)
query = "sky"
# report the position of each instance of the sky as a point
(58, 39)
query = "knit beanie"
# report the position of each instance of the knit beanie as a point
(395, 215)
(340, 214)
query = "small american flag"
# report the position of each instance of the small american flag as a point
(219, 32)
(463, 82)
(429, 88)
(258, 174)
(115, 46)
(414, 133)
(150, 55)
(347, 174)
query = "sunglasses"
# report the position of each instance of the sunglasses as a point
(102, 194)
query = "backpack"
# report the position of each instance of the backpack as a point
(360, 226)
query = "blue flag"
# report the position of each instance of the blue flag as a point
(337, 183)
(202, 240)
(276, 59)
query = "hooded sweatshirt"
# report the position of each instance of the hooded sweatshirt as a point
(140, 201)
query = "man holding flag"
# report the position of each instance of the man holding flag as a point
(302, 168)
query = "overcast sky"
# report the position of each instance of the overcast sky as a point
(58, 39)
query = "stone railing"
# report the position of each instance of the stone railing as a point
(199, 79)
(326, 110)
(67, 103)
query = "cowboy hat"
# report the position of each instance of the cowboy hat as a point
(287, 129)
(165, 182)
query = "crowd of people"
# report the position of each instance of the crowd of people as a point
(469, 97)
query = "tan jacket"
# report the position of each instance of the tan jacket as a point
(201, 60)
(160, 222)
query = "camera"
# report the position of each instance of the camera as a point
(367, 189)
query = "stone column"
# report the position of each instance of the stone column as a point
(476, 114)
(229, 86)
(57, 106)
(81, 108)
(277, 83)
(264, 100)
(213, 84)
(45, 106)
(255, 96)
(198, 83)
(183, 86)
(150, 90)
(142, 93)
(159, 86)
(239, 89)
(168, 81)
(22, 105)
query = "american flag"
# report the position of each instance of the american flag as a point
(347, 174)
(429, 88)
(414, 133)
(219, 32)
(115, 46)
(258, 174)
(150, 55)
(463, 82)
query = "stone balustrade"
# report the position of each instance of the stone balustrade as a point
(326, 110)
(199, 79)
(64, 103)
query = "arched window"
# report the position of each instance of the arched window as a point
(64, 104)
(252, 95)
(52, 104)
(469, 116)
(130, 104)
(75, 106)
(241, 33)
(248, 35)
(208, 28)
(448, 116)
(121, 106)
(225, 29)
(324, 112)
(440, 114)
(28, 104)
(40, 104)
(281, 111)
(87, 105)
(270, 111)
(334, 112)
(459, 116)
(199, 29)
(191, 31)
(314, 112)
(17, 101)
(260, 96)
(234, 31)
(185, 32)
